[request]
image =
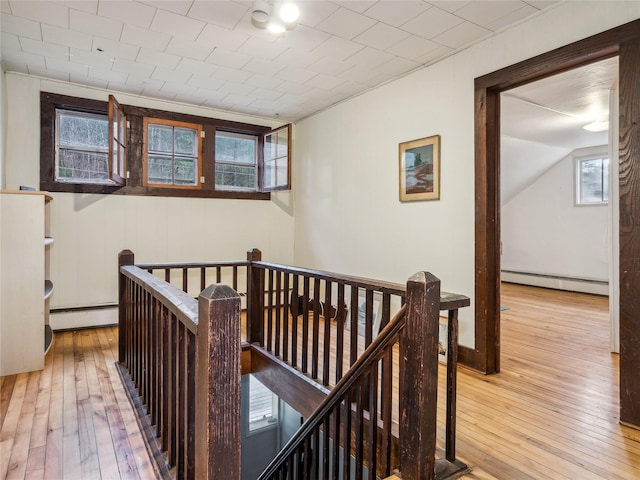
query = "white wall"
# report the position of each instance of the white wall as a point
(90, 230)
(3, 127)
(544, 232)
(348, 217)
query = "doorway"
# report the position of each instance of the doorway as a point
(623, 41)
(556, 210)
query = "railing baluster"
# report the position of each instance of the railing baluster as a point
(203, 278)
(373, 421)
(295, 312)
(305, 326)
(173, 385)
(285, 320)
(180, 400)
(354, 326)
(340, 325)
(185, 280)
(190, 405)
(269, 343)
(369, 317)
(167, 275)
(316, 328)
(326, 344)
(166, 378)
(386, 406)
(278, 312)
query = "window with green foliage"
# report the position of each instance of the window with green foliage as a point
(236, 161)
(172, 153)
(592, 181)
(82, 147)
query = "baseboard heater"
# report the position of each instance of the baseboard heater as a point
(557, 282)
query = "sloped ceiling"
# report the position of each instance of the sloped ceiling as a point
(541, 122)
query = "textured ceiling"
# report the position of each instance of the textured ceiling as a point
(208, 52)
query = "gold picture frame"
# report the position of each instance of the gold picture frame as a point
(420, 169)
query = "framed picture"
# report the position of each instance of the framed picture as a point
(420, 169)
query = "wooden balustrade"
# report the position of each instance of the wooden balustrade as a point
(350, 433)
(186, 374)
(319, 323)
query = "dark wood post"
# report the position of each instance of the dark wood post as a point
(255, 298)
(217, 375)
(125, 257)
(419, 378)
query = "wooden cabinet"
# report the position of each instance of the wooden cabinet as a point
(25, 284)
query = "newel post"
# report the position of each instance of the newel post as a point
(255, 298)
(217, 383)
(419, 378)
(125, 257)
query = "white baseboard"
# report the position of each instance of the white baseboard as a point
(596, 287)
(83, 318)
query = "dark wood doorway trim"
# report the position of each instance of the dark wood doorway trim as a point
(623, 41)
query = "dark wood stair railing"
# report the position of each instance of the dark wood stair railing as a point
(351, 428)
(329, 307)
(181, 373)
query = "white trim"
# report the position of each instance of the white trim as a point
(595, 287)
(83, 318)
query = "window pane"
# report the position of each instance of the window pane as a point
(185, 171)
(235, 177)
(283, 144)
(261, 405)
(159, 169)
(160, 138)
(83, 131)
(605, 180)
(591, 190)
(82, 167)
(186, 142)
(235, 148)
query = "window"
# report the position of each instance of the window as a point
(592, 180)
(82, 147)
(84, 143)
(118, 142)
(277, 161)
(263, 406)
(236, 158)
(172, 153)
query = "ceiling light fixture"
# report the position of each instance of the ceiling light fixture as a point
(276, 16)
(597, 126)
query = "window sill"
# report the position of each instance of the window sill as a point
(150, 191)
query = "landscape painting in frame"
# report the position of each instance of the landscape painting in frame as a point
(420, 169)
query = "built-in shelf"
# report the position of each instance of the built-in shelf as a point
(48, 338)
(48, 240)
(48, 288)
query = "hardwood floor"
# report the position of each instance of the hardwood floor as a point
(552, 412)
(71, 420)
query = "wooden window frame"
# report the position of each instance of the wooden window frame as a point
(145, 159)
(276, 186)
(135, 115)
(117, 143)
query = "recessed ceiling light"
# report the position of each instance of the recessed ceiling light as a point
(597, 126)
